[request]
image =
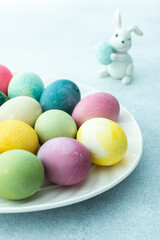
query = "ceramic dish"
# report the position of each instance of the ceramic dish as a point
(99, 180)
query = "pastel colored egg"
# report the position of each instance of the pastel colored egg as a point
(105, 140)
(103, 52)
(15, 134)
(5, 77)
(26, 84)
(55, 123)
(66, 161)
(21, 174)
(21, 108)
(98, 104)
(3, 98)
(62, 94)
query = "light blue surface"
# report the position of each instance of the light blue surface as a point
(56, 38)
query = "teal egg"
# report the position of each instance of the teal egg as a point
(26, 84)
(21, 174)
(103, 53)
(62, 94)
(3, 98)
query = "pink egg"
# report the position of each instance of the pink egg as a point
(66, 161)
(98, 104)
(5, 77)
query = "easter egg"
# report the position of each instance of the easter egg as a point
(21, 174)
(26, 84)
(66, 161)
(21, 108)
(5, 77)
(103, 53)
(3, 98)
(98, 104)
(105, 140)
(62, 94)
(55, 123)
(15, 134)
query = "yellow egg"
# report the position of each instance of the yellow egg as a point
(15, 134)
(105, 140)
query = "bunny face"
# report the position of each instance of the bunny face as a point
(121, 40)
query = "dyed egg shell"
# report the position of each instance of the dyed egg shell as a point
(3, 98)
(55, 123)
(15, 134)
(21, 174)
(23, 108)
(26, 84)
(66, 161)
(98, 104)
(103, 53)
(61, 94)
(105, 140)
(5, 77)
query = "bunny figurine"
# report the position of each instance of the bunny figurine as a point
(121, 66)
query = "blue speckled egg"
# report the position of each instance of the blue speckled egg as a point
(103, 53)
(26, 84)
(62, 94)
(3, 98)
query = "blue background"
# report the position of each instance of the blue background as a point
(56, 38)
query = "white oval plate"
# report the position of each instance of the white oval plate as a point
(99, 180)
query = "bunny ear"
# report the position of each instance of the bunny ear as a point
(135, 29)
(117, 19)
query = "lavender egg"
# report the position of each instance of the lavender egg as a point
(66, 161)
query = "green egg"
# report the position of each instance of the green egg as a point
(55, 123)
(21, 174)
